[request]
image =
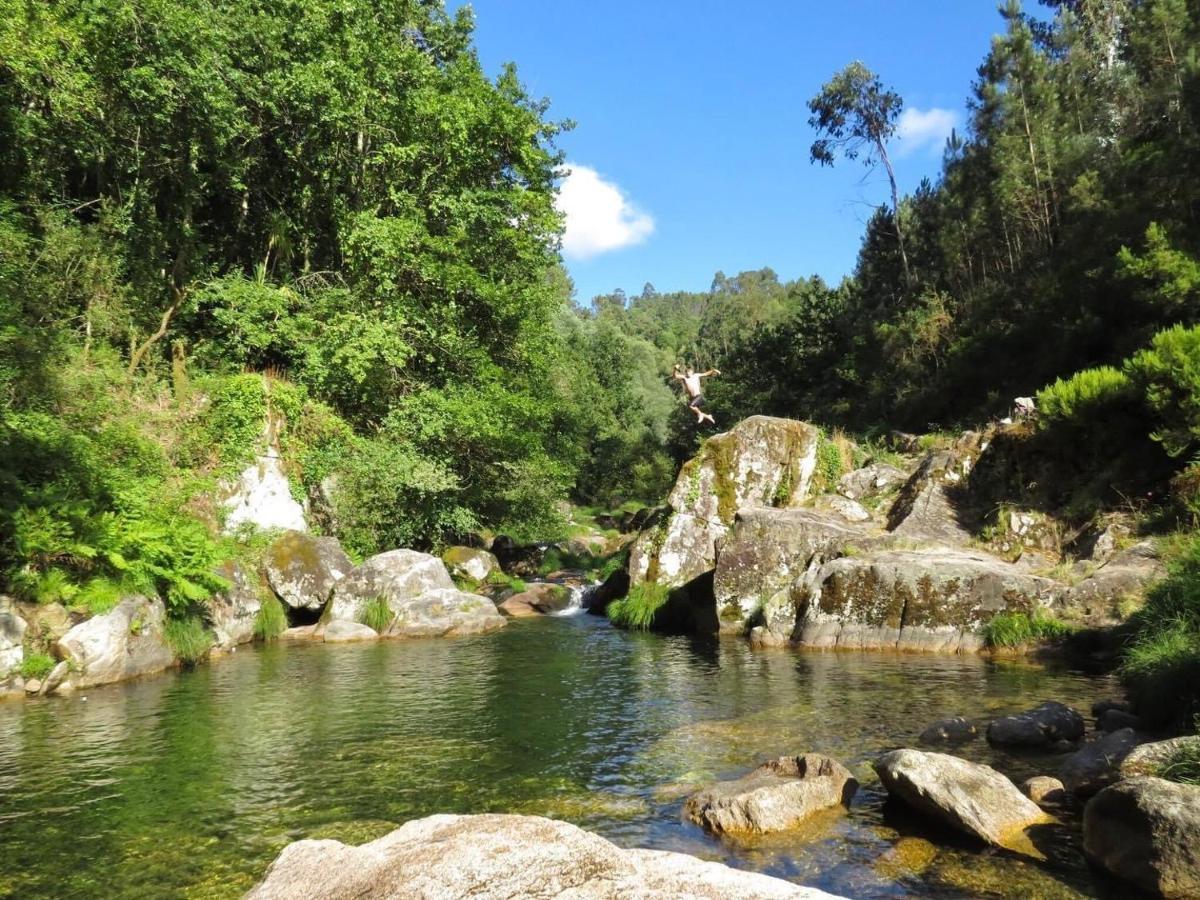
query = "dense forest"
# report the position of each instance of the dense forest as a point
(327, 211)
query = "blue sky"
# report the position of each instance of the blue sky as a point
(690, 153)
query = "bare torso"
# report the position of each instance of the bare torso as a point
(691, 384)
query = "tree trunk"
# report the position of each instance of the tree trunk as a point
(887, 164)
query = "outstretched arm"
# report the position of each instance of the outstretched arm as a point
(675, 373)
(710, 373)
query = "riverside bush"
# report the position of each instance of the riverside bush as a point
(1161, 665)
(376, 614)
(636, 610)
(36, 665)
(188, 638)
(1085, 397)
(1167, 374)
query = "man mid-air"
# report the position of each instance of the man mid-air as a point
(691, 384)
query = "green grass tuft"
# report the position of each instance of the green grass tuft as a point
(188, 638)
(271, 620)
(377, 614)
(1018, 629)
(637, 610)
(1183, 766)
(37, 665)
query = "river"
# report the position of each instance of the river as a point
(187, 785)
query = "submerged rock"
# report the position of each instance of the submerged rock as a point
(1041, 726)
(302, 569)
(497, 857)
(470, 562)
(973, 798)
(761, 461)
(954, 730)
(1147, 831)
(1116, 719)
(776, 796)
(1097, 765)
(121, 644)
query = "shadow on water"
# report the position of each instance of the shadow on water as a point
(189, 784)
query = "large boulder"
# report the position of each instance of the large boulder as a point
(1147, 831)
(761, 461)
(470, 562)
(1149, 759)
(1041, 726)
(302, 569)
(418, 590)
(932, 600)
(124, 643)
(1096, 765)
(926, 509)
(971, 797)
(767, 551)
(232, 612)
(537, 600)
(776, 796)
(497, 857)
(12, 644)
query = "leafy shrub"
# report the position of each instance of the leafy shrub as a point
(188, 638)
(1084, 397)
(1018, 629)
(1161, 665)
(270, 621)
(37, 665)
(1185, 493)
(830, 464)
(638, 608)
(1167, 374)
(377, 614)
(234, 420)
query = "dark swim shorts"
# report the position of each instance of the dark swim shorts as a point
(696, 401)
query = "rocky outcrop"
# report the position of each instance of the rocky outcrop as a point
(776, 796)
(232, 612)
(119, 645)
(340, 632)
(497, 857)
(1038, 727)
(926, 509)
(931, 600)
(262, 496)
(302, 569)
(761, 461)
(470, 562)
(1149, 759)
(1096, 600)
(12, 645)
(767, 552)
(1147, 831)
(420, 594)
(973, 798)
(870, 481)
(1096, 765)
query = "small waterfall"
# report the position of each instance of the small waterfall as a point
(575, 606)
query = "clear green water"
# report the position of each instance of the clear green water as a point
(188, 785)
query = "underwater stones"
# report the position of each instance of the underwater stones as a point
(1116, 719)
(232, 611)
(1041, 726)
(302, 569)
(470, 562)
(1147, 831)
(953, 730)
(776, 796)
(1044, 790)
(761, 461)
(341, 632)
(124, 643)
(931, 600)
(489, 857)
(1096, 765)
(768, 550)
(973, 798)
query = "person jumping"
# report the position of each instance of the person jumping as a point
(691, 384)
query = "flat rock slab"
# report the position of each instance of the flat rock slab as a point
(1147, 831)
(340, 632)
(1038, 727)
(973, 798)
(499, 857)
(776, 796)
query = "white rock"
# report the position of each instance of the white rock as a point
(121, 644)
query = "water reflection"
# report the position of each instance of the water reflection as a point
(188, 785)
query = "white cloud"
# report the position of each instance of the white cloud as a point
(600, 218)
(924, 129)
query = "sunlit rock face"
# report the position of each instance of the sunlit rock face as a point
(490, 857)
(760, 462)
(124, 643)
(303, 569)
(262, 496)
